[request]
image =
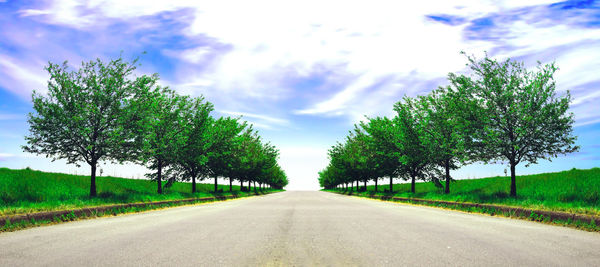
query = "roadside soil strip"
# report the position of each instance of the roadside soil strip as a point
(513, 211)
(50, 215)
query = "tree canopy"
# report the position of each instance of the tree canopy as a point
(82, 117)
(99, 112)
(502, 112)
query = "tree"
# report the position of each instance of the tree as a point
(193, 155)
(382, 142)
(276, 177)
(240, 162)
(414, 145)
(226, 164)
(164, 125)
(263, 156)
(438, 118)
(365, 157)
(221, 147)
(82, 116)
(340, 159)
(522, 118)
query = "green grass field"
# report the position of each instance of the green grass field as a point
(573, 191)
(24, 191)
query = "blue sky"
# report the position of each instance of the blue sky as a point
(303, 72)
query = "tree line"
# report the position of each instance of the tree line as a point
(498, 113)
(101, 113)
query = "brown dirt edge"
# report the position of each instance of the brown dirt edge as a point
(517, 211)
(50, 215)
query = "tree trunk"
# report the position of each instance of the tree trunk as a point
(215, 184)
(230, 185)
(93, 192)
(375, 185)
(391, 184)
(513, 181)
(159, 177)
(365, 185)
(447, 190)
(193, 184)
(412, 184)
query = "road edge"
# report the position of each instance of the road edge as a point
(23, 221)
(579, 221)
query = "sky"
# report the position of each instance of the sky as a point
(303, 72)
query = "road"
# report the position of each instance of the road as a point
(300, 229)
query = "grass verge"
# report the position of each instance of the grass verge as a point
(574, 191)
(13, 223)
(24, 193)
(570, 198)
(28, 191)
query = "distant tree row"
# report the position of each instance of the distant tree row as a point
(100, 113)
(501, 113)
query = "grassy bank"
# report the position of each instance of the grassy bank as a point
(26, 191)
(576, 191)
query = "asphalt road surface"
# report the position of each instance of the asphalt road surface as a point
(300, 229)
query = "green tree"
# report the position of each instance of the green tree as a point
(227, 164)
(331, 177)
(82, 118)
(193, 155)
(522, 118)
(221, 148)
(414, 146)
(365, 157)
(239, 164)
(276, 177)
(382, 141)
(437, 115)
(163, 130)
(340, 158)
(263, 156)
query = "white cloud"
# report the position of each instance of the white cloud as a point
(584, 123)
(586, 98)
(266, 118)
(21, 77)
(578, 66)
(259, 121)
(272, 41)
(195, 55)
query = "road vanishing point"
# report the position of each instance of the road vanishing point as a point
(300, 228)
